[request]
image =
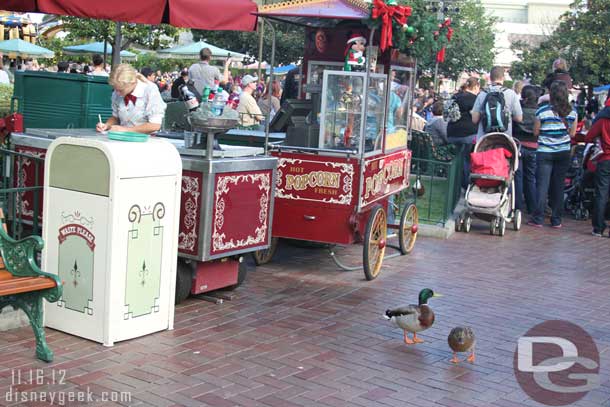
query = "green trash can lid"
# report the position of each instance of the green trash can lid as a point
(127, 136)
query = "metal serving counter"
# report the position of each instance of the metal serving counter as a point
(177, 139)
(226, 204)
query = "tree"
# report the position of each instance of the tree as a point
(290, 42)
(471, 45)
(103, 30)
(582, 38)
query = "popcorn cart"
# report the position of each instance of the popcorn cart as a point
(345, 154)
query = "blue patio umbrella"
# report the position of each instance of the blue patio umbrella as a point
(281, 70)
(601, 89)
(23, 49)
(191, 51)
(95, 48)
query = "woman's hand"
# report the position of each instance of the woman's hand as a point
(101, 127)
(119, 128)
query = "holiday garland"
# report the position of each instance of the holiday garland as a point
(410, 33)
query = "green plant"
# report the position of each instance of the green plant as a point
(6, 92)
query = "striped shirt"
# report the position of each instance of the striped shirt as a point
(554, 131)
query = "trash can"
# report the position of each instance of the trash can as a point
(110, 228)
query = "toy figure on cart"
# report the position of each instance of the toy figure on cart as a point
(350, 102)
(354, 53)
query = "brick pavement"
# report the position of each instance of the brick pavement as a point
(302, 333)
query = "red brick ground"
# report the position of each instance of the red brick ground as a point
(302, 333)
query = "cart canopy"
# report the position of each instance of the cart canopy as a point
(201, 14)
(316, 13)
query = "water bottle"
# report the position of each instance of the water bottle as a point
(218, 105)
(189, 98)
(205, 95)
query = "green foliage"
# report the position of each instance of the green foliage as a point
(290, 42)
(470, 48)
(582, 39)
(6, 92)
(103, 30)
(162, 64)
(56, 45)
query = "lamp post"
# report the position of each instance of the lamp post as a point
(442, 8)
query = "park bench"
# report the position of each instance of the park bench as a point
(23, 285)
(423, 148)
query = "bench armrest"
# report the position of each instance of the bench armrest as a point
(19, 260)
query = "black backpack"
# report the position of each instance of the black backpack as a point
(494, 113)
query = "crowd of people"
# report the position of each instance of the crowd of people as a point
(544, 121)
(250, 96)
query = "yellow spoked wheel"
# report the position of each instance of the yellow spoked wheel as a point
(375, 238)
(407, 234)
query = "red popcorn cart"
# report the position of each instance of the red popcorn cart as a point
(345, 154)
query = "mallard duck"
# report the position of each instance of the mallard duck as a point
(418, 188)
(414, 318)
(461, 339)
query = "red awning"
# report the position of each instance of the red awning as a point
(235, 15)
(19, 5)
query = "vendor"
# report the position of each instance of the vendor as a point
(136, 103)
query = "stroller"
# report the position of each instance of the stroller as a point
(579, 183)
(489, 195)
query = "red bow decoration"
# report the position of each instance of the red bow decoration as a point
(387, 14)
(129, 98)
(440, 56)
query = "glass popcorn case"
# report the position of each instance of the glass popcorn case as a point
(352, 118)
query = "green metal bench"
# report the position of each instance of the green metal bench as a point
(423, 148)
(23, 285)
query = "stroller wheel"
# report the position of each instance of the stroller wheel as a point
(517, 220)
(585, 214)
(501, 227)
(493, 226)
(467, 223)
(458, 223)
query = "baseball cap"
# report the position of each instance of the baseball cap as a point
(248, 79)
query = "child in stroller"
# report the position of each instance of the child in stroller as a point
(489, 194)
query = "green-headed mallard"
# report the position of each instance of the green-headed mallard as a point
(414, 318)
(461, 339)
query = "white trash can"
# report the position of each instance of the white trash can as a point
(110, 226)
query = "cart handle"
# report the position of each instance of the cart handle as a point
(348, 153)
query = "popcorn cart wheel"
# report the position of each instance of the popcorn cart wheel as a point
(407, 234)
(264, 256)
(184, 278)
(375, 240)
